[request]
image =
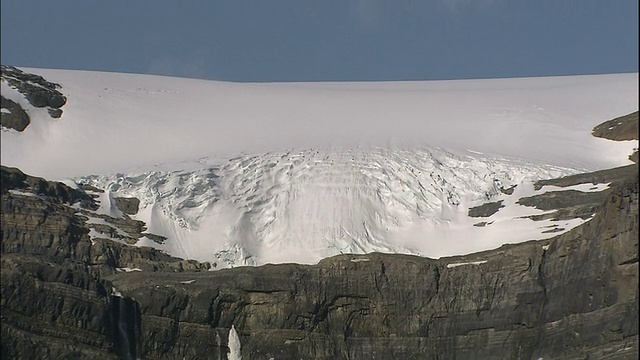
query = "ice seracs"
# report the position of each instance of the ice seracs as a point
(303, 206)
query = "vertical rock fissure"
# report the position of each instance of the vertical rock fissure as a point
(125, 315)
(543, 283)
(437, 279)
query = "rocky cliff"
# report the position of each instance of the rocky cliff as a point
(66, 294)
(55, 303)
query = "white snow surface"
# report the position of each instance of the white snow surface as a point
(247, 174)
(113, 122)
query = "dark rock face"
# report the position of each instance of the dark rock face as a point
(621, 128)
(56, 192)
(614, 176)
(128, 206)
(13, 116)
(37, 219)
(486, 209)
(53, 310)
(55, 303)
(125, 319)
(573, 296)
(569, 204)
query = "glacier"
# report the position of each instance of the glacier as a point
(307, 205)
(249, 174)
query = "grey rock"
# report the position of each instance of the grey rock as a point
(16, 118)
(613, 176)
(486, 209)
(568, 204)
(619, 129)
(128, 205)
(55, 113)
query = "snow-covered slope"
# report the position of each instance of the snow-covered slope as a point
(257, 173)
(113, 122)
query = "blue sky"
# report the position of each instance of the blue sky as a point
(328, 40)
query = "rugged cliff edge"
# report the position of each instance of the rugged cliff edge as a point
(573, 296)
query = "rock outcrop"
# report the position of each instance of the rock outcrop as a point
(620, 129)
(13, 115)
(128, 205)
(39, 92)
